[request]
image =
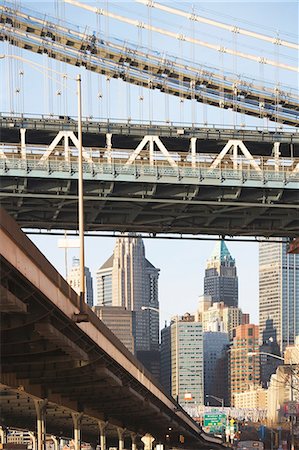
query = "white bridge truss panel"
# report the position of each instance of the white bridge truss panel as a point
(152, 152)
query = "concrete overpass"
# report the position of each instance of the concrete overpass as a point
(60, 362)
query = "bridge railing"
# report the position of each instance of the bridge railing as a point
(48, 121)
(115, 162)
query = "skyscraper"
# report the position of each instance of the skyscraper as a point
(244, 366)
(221, 281)
(127, 279)
(279, 291)
(120, 321)
(182, 360)
(269, 347)
(104, 283)
(214, 344)
(218, 316)
(74, 280)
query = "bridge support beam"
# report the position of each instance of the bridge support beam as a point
(23, 143)
(193, 151)
(102, 428)
(3, 436)
(56, 442)
(41, 408)
(77, 418)
(133, 437)
(33, 439)
(121, 438)
(148, 440)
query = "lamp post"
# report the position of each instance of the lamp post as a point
(292, 392)
(40, 68)
(220, 400)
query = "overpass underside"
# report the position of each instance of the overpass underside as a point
(60, 362)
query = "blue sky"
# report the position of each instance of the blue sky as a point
(181, 262)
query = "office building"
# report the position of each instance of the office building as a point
(221, 386)
(221, 281)
(254, 398)
(128, 280)
(165, 358)
(74, 280)
(182, 360)
(120, 321)
(217, 316)
(214, 343)
(269, 347)
(279, 291)
(104, 283)
(244, 366)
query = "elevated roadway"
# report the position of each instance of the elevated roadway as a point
(150, 178)
(61, 362)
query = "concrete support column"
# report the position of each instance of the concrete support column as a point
(40, 407)
(3, 435)
(77, 418)
(121, 438)
(102, 428)
(148, 440)
(133, 437)
(33, 439)
(56, 442)
(23, 143)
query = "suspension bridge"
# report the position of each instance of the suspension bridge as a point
(152, 176)
(197, 134)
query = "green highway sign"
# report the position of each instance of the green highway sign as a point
(214, 422)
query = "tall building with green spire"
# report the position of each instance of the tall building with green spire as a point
(221, 280)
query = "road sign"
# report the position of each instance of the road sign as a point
(215, 422)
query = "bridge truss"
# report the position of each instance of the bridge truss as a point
(143, 180)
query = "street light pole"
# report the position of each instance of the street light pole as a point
(40, 68)
(81, 196)
(220, 400)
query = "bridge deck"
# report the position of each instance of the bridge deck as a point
(41, 130)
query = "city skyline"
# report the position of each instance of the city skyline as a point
(182, 268)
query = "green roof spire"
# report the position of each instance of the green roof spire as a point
(221, 253)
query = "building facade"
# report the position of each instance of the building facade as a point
(279, 291)
(120, 321)
(221, 280)
(244, 360)
(127, 280)
(104, 283)
(254, 398)
(218, 317)
(182, 360)
(269, 347)
(74, 280)
(214, 343)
